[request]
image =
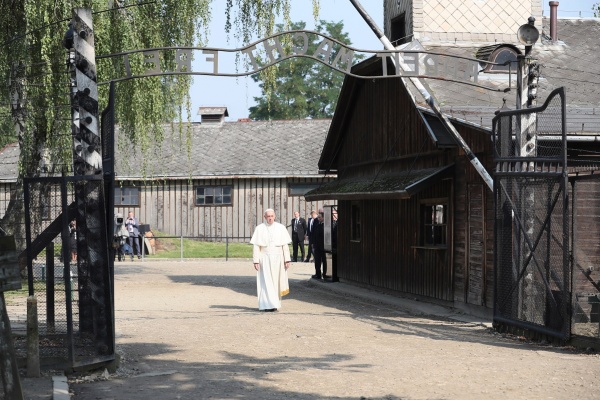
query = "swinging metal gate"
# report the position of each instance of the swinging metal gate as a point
(532, 248)
(75, 308)
(75, 297)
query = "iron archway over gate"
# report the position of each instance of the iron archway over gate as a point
(88, 196)
(532, 263)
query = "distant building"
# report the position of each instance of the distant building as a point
(217, 185)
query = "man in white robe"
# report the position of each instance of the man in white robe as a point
(271, 257)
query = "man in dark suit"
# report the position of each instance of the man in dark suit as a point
(312, 223)
(298, 234)
(319, 249)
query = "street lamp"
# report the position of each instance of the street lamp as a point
(528, 34)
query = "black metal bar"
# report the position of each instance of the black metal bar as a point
(530, 174)
(530, 326)
(567, 258)
(108, 157)
(524, 160)
(50, 301)
(67, 272)
(27, 200)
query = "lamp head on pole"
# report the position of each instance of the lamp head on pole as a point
(528, 34)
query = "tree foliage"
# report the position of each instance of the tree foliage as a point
(302, 87)
(31, 32)
(596, 9)
(31, 36)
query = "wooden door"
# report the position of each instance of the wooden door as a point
(476, 245)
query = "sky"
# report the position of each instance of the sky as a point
(237, 94)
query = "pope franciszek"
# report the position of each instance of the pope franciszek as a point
(271, 258)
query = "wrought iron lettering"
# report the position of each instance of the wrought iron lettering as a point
(285, 45)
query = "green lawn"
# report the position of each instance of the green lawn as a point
(171, 248)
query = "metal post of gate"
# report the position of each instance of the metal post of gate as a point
(226, 248)
(50, 299)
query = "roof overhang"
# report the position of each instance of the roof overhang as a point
(221, 176)
(400, 185)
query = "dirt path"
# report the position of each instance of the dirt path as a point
(191, 330)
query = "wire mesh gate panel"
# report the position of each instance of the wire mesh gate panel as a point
(74, 296)
(531, 242)
(585, 184)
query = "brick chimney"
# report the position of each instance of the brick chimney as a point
(553, 20)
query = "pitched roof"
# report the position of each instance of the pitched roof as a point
(262, 148)
(398, 185)
(573, 62)
(9, 162)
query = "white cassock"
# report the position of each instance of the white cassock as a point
(271, 251)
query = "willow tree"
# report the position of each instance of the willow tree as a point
(36, 109)
(302, 87)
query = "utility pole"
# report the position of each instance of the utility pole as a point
(526, 148)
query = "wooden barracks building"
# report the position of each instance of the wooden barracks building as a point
(416, 218)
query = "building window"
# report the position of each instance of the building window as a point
(435, 223)
(213, 195)
(300, 189)
(355, 222)
(127, 196)
(499, 54)
(398, 26)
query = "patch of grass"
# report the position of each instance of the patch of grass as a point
(11, 296)
(171, 248)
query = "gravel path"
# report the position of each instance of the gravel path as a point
(191, 330)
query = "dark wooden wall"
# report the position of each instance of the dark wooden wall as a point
(384, 128)
(388, 254)
(384, 134)
(169, 206)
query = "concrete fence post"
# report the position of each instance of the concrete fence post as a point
(33, 339)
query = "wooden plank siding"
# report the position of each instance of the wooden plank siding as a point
(383, 128)
(169, 206)
(389, 254)
(384, 133)
(466, 175)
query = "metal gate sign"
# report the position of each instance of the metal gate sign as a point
(10, 276)
(282, 46)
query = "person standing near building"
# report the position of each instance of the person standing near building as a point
(132, 225)
(334, 222)
(298, 235)
(73, 240)
(319, 248)
(271, 258)
(120, 236)
(313, 221)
